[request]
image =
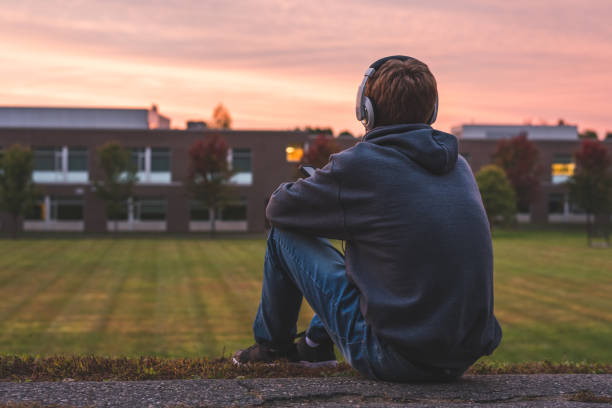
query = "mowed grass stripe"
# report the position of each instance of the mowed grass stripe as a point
(536, 305)
(132, 323)
(234, 305)
(178, 317)
(22, 278)
(196, 297)
(34, 289)
(119, 269)
(557, 304)
(194, 260)
(40, 317)
(81, 317)
(54, 312)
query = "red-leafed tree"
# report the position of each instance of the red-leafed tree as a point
(209, 174)
(318, 152)
(518, 157)
(591, 185)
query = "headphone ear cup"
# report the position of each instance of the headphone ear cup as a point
(369, 113)
(434, 115)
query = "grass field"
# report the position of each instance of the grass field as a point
(192, 297)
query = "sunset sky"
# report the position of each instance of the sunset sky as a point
(282, 64)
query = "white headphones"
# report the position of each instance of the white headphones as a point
(364, 108)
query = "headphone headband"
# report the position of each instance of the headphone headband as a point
(364, 109)
(378, 63)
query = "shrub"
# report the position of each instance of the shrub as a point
(497, 194)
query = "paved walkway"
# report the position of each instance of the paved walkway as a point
(579, 390)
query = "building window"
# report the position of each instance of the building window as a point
(150, 209)
(139, 159)
(198, 211)
(294, 153)
(122, 214)
(77, 159)
(556, 203)
(562, 168)
(236, 211)
(60, 165)
(575, 208)
(160, 160)
(48, 159)
(66, 209)
(152, 164)
(241, 160)
(36, 212)
(241, 165)
(232, 211)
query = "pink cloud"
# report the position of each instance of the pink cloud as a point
(281, 64)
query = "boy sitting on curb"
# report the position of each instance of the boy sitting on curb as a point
(412, 297)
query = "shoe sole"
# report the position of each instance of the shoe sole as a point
(317, 364)
(270, 364)
(307, 364)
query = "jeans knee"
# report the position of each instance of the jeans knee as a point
(275, 235)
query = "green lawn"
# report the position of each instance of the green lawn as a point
(190, 297)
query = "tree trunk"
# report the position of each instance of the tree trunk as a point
(213, 219)
(15, 228)
(589, 229)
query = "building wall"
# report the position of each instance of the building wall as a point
(533, 132)
(269, 168)
(479, 153)
(77, 118)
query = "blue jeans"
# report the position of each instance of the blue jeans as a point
(299, 266)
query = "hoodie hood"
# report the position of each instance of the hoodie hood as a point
(434, 150)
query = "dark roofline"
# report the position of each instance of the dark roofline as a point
(157, 130)
(81, 108)
(512, 125)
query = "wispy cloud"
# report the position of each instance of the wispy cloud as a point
(285, 63)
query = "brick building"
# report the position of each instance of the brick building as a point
(64, 142)
(556, 145)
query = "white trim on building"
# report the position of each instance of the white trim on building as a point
(534, 132)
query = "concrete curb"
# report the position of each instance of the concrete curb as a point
(545, 390)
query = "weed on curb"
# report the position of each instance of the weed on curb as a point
(96, 368)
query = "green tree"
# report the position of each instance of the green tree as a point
(588, 134)
(498, 197)
(317, 130)
(609, 136)
(119, 177)
(345, 134)
(17, 190)
(209, 175)
(591, 185)
(221, 117)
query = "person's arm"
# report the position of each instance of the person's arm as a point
(310, 205)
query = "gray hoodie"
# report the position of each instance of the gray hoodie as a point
(418, 244)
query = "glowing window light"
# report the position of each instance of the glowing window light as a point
(294, 153)
(561, 172)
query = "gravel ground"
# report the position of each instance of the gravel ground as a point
(546, 390)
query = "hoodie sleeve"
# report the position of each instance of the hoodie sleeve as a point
(310, 205)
